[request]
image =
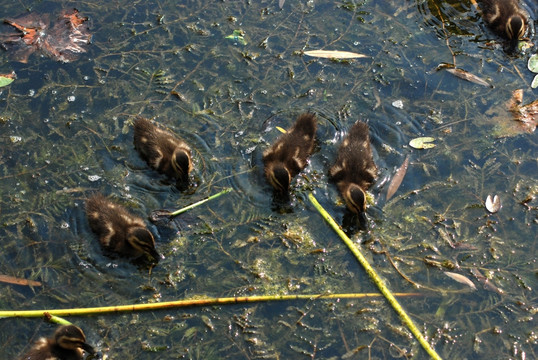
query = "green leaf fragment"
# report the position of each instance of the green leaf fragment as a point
(422, 143)
(533, 63)
(6, 80)
(237, 36)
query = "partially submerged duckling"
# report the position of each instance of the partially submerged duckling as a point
(354, 170)
(118, 230)
(67, 343)
(506, 18)
(162, 150)
(289, 154)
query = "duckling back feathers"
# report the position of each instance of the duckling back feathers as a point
(118, 230)
(505, 17)
(289, 154)
(354, 162)
(354, 170)
(67, 344)
(162, 150)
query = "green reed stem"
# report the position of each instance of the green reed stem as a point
(376, 279)
(187, 208)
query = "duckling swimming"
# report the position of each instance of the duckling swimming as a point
(354, 170)
(162, 150)
(118, 230)
(289, 154)
(67, 343)
(506, 18)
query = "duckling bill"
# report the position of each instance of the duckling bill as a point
(118, 230)
(290, 153)
(354, 170)
(506, 18)
(68, 343)
(162, 150)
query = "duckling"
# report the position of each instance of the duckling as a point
(118, 230)
(66, 344)
(354, 170)
(506, 18)
(289, 154)
(162, 150)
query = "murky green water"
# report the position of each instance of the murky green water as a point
(170, 61)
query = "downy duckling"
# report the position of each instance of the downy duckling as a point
(506, 18)
(289, 154)
(162, 150)
(354, 170)
(67, 343)
(118, 230)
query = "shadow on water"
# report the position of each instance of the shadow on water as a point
(67, 133)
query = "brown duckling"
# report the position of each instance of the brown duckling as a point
(67, 343)
(289, 154)
(118, 230)
(162, 150)
(354, 170)
(506, 18)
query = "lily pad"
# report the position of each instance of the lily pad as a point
(6, 79)
(422, 143)
(533, 63)
(534, 83)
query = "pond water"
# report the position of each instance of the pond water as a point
(66, 133)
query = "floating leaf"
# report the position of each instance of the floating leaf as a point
(461, 279)
(283, 131)
(533, 63)
(462, 74)
(397, 178)
(334, 54)
(422, 143)
(237, 36)
(493, 204)
(6, 79)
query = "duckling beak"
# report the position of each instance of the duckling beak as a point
(155, 255)
(88, 348)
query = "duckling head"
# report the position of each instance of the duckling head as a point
(515, 27)
(355, 198)
(142, 241)
(71, 337)
(279, 177)
(181, 162)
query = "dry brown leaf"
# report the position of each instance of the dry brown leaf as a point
(465, 75)
(334, 54)
(461, 279)
(397, 178)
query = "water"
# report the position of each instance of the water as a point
(172, 62)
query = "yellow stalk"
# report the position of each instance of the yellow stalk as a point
(183, 303)
(376, 279)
